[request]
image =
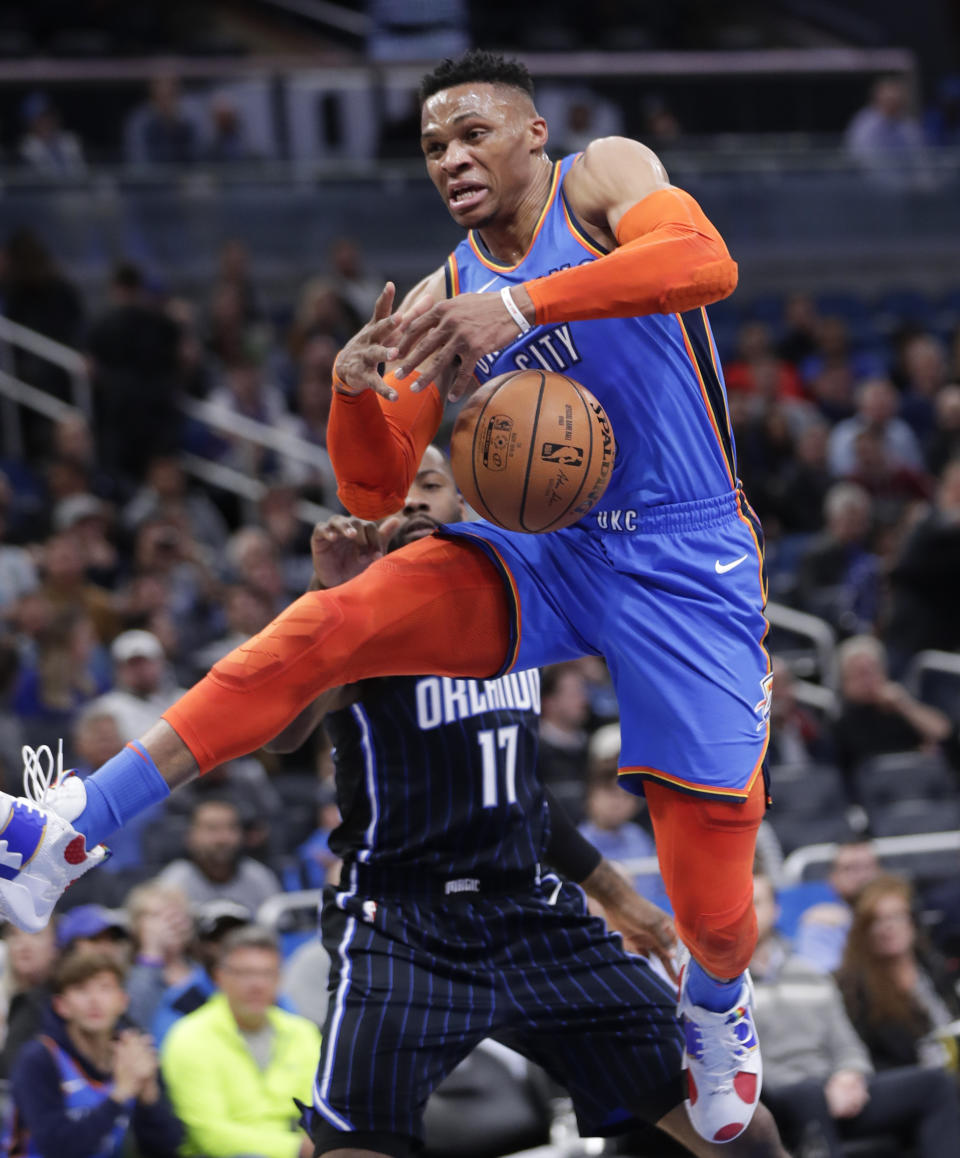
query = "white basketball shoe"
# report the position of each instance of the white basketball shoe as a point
(41, 853)
(721, 1061)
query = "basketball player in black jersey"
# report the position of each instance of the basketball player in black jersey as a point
(446, 928)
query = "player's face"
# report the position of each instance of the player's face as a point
(483, 144)
(432, 499)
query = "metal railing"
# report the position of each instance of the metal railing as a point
(819, 856)
(15, 393)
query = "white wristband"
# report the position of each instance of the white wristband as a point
(514, 310)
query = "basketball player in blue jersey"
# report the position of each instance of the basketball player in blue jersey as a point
(444, 929)
(594, 265)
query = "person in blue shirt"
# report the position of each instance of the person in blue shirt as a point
(82, 1087)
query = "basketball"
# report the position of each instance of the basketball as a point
(532, 451)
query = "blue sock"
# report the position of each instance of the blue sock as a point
(127, 784)
(717, 996)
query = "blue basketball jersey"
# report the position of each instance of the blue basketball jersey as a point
(658, 377)
(440, 773)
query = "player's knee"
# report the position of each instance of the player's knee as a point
(723, 942)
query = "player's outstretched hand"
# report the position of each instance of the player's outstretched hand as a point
(344, 547)
(645, 928)
(454, 333)
(357, 362)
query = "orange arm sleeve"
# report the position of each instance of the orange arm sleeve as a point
(670, 258)
(375, 446)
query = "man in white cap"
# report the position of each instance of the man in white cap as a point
(143, 687)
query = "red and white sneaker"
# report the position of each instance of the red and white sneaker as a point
(721, 1059)
(41, 853)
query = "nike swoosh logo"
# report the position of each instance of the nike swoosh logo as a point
(488, 284)
(723, 568)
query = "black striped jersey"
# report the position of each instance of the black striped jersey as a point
(440, 773)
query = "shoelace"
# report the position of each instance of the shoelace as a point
(722, 1054)
(41, 772)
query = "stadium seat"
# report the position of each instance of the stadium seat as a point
(899, 776)
(809, 806)
(915, 816)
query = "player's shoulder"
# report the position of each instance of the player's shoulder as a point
(434, 285)
(612, 171)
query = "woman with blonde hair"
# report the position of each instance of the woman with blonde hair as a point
(894, 987)
(162, 927)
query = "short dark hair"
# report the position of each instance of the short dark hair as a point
(127, 275)
(479, 66)
(79, 965)
(248, 937)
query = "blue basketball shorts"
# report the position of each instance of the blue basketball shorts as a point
(672, 597)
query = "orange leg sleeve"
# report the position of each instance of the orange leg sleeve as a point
(435, 607)
(706, 851)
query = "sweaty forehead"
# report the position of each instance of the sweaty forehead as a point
(446, 108)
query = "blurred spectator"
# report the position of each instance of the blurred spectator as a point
(73, 443)
(30, 961)
(924, 609)
(62, 678)
(757, 369)
(256, 562)
(838, 575)
(228, 142)
(89, 928)
(357, 288)
(832, 372)
(891, 485)
(894, 988)
(45, 146)
(135, 350)
(243, 1054)
(88, 1084)
(95, 928)
(322, 310)
(924, 361)
(604, 708)
(611, 814)
(312, 864)
(18, 575)
(661, 125)
(823, 928)
(944, 443)
(213, 922)
(289, 534)
(246, 392)
(65, 584)
(166, 493)
(562, 756)
(942, 119)
(143, 690)
(797, 737)
(801, 327)
(37, 295)
(247, 610)
(227, 322)
(11, 729)
(162, 929)
(89, 519)
(885, 137)
(217, 869)
(800, 488)
(314, 393)
(233, 270)
(877, 715)
(818, 1079)
(877, 403)
(172, 575)
(159, 133)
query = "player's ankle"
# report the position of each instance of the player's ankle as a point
(707, 991)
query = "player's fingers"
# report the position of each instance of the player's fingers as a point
(388, 528)
(375, 353)
(464, 382)
(417, 308)
(416, 329)
(384, 303)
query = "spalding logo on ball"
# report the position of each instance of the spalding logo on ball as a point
(532, 451)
